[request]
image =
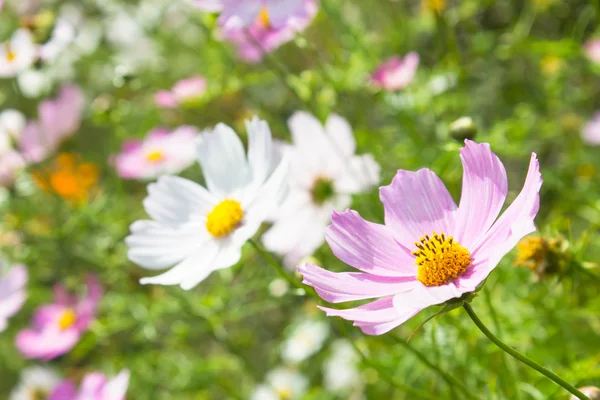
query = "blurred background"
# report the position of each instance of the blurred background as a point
(526, 73)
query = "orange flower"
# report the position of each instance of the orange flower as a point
(69, 178)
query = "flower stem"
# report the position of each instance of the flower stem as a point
(549, 374)
(280, 270)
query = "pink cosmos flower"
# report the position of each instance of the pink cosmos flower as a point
(184, 91)
(11, 163)
(591, 131)
(59, 118)
(94, 386)
(159, 153)
(243, 13)
(12, 292)
(592, 50)
(261, 37)
(57, 327)
(396, 73)
(429, 250)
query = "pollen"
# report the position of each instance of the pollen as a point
(155, 156)
(11, 56)
(284, 393)
(263, 17)
(224, 218)
(67, 319)
(440, 259)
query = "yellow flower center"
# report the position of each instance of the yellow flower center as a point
(284, 393)
(38, 394)
(440, 259)
(263, 16)
(11, 56)
(224, 218)
(67, 319)
(155, 156)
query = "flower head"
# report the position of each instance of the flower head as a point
(12, 292)
(324, 172)
(183, 92)
(429, 250)
(243, 13)
(200, 230)
(306, 339)
(94, 386)
(282, 384)
(17, 54)
(58, 119)
(161, 152)
(544, 256)
(591, 131)
(261, 37)
(36, 384)
(592, 50)
(69, 178)
(396, 73)
(341, 371)
(57, 327)
(11, 162)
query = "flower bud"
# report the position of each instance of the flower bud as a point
(463, 128)
(590, 391)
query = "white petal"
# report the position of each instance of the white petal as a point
(340, 132)
(229, 253)
(223, 160)
(260, 149)
(360, 174)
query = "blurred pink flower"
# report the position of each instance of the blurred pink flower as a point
(58, 119)
(592, 49)
(10, 163)
(429, 251)
(396, 73)
(243, 13)
(185, 90)
(261, 37)
(57, 327)
(159, 153)
(591, 131)
(12, 291)
(94, 386)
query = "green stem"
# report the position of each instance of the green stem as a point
(452, 381)
(280, 270)
(549, 374)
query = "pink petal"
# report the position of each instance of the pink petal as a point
(165, 99)
(64, 391)
(367, 246)
(374, 318)
(483, 192)
(47, 344)
(424, 296)
(337, 287)
(511, 227)
(417, 203)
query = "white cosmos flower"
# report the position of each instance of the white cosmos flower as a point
(306, 339)
(324, 173)
(36, 383)
(201, 230)
(17, 54)
(12, 124)
(340, 370)
(282, 384)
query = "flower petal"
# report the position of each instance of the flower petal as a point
(338, 287)
(483, 192)
(260, 149)
(340, 133)
(417, 203)
(422, 296)
(154, 246)
(374, 318)
(367, 246)
(173, 200)
(224, 164)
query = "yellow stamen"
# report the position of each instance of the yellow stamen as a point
(155, 156)
(263, 16)
(224, 218)
(440, 259)
(284, 393)
(11, 56)
(67, 319)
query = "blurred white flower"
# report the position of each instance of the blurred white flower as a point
(324, 173)
(33, 83)
(279, 287)
(340, 370)
(12, 123)
(307, 338)
(17, 54)
(591, 131)
(200, 230)
(282, 384)
(36, 383)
